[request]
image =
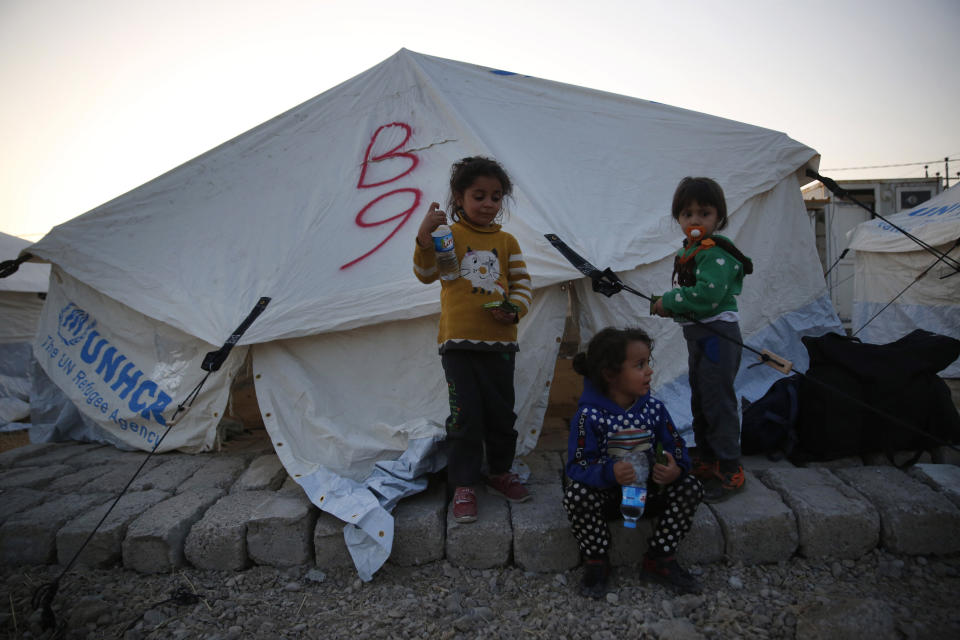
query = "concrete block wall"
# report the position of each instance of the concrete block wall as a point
(228, 512)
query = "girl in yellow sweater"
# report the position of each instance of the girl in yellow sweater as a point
(479, 312)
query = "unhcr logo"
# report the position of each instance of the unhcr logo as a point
(75, 323)
(109, 369)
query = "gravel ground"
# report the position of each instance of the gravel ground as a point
(878, 596)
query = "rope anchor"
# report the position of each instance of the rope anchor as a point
(779, 363)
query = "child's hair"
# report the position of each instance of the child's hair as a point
(703, 191)
(605, 354)
(465, 171)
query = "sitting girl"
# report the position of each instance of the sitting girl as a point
(616, 398)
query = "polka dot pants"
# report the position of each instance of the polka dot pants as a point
(589, 509)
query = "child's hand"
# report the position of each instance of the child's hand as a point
(658, 310)
(664, 474)
(623, 472)
(506, 317)
(434, 218)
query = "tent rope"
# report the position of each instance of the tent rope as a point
(904, 290)
(840, 192)
(44, 594)
(9, 267)
(843, 255)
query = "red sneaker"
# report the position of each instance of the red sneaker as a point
(509, 486)
(464, 505)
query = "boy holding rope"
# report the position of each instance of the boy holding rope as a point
(709, 270)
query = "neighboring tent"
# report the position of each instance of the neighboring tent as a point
(21, 300)
(318, 209)
(888, 263)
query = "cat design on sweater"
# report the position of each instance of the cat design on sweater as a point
(482, 269)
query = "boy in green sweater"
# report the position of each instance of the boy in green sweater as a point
(709, 270)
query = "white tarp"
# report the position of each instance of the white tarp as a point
(318, 209)
(388, 386)
(21, 300)
(887, 266)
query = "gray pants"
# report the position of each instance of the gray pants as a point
(713, 362)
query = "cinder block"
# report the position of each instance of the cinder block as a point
(757, 526)
(900, 458)
(121, 471)
(542, 540)
(81, 481)
(483, 544)
(22, 455)
(839, 463)
(219, 539)
(704, 543)
(32, 477)
(291, 486)
(102, 546)
(171, 471)
(155, 540)
(944, 478)
(30, 537)
(833, 519)
(759, 463)
(265, 473)
(13, 501)
(914, 518)
(279, 533)
(218, 471)
(546, 467)
(329, 547)
(107, 455)
(62, 454)
(419, 532)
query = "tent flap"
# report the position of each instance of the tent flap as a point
(126, 372)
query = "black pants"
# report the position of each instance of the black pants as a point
(589, 509)
(480, 384)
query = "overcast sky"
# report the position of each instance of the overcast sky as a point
(100, 96)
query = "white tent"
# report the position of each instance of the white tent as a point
(21, 300)
(318, 209)
(888, 265)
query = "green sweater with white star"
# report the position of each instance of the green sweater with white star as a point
(719, 281)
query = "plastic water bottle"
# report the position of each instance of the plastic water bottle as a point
(447, 263)
(635, 495)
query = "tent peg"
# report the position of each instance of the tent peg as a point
(771, 359)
